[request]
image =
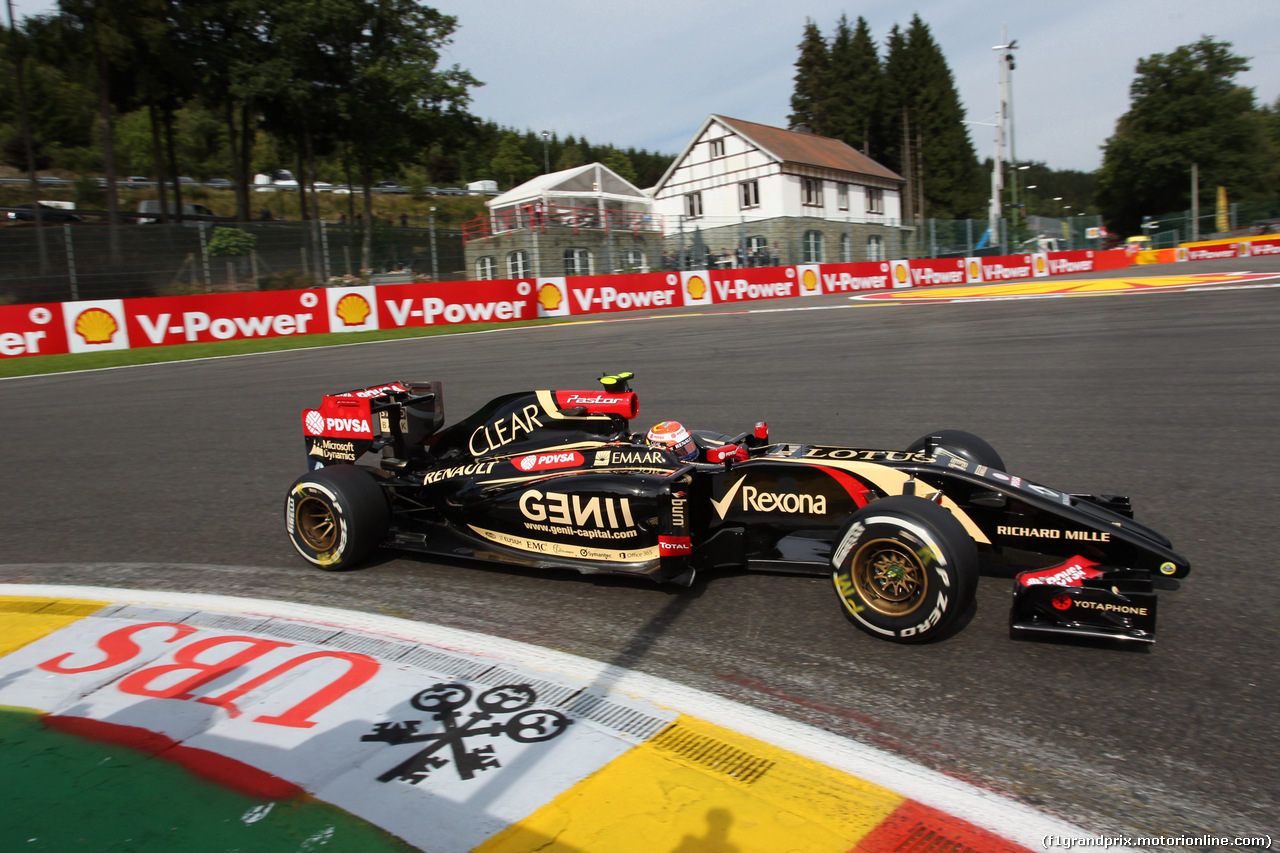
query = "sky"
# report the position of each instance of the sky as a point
(645, 74)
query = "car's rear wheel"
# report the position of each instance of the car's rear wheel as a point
(905, 570)
(336, 516)
(963, 444)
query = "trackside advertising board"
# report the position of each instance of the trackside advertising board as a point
(1263, 246)
(113, 324)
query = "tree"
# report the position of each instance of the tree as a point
(394, 100)
(620, 163)
(922, 109)
(812, 79)
(1184, 109)
(851, 110)
(511, 161)
(571, 156)
(104, 31)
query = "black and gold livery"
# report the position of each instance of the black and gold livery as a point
(557, 479)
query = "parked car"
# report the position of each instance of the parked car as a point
(150, 212)
(137, 179)
(48, 215)
(220, 183)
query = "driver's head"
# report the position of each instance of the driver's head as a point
(670, 435)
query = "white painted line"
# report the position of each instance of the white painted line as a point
(986, 809)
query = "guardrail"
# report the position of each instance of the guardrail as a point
(115, 324)
(125, 183)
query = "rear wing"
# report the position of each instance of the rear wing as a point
(394, 418)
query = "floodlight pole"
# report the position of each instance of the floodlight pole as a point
(1004, 118)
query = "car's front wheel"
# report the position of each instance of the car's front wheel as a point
(336, 516)
(905, 570)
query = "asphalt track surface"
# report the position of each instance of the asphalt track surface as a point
(171, 477)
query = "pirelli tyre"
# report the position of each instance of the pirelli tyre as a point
(963, 444)
(336, 516)
(905, 570)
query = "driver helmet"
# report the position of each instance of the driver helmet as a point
(672, 436)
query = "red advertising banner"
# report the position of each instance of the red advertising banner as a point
(114, 324)
(851, 278)
(930, 271)
(1006, 267)
(752, 283)
(166, 320)
(1061, 263)
(592, 294)
(1212, 251)
(32, 330)
(453, 302)
(1264, 247)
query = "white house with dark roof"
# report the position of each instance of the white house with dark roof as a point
(782, 195)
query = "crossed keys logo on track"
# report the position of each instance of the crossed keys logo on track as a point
(445, 703)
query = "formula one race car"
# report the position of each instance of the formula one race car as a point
(557, 479)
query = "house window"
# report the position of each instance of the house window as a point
(518, 264)
(875, 248)
(749, 194)
(693, 205)
(812, 192)
(484, 268)
(813, 247)
(842, 196)
(846, 249)
(758, 251)
(633, 261)
(577, 262)
(875, 200)
(717, 148)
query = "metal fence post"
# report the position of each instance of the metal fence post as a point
(204, 256)
(431, 222)
(324, 252)
(71, 262)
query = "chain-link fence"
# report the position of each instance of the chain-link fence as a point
(1237, 219)
(89, 260)
(807, 240)
(547, 246)
(84, 260)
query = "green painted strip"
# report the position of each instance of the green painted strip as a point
(65, 793)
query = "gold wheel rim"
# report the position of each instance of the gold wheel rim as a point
(889, 577)
(316, 524)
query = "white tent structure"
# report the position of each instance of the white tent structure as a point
(591, 196)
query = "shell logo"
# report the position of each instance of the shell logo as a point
(96, 326)
(975, 270)
(901, 274)
(549, 297)
(352, 309)
(1039, 264)
(809, 280)
(697, 287)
